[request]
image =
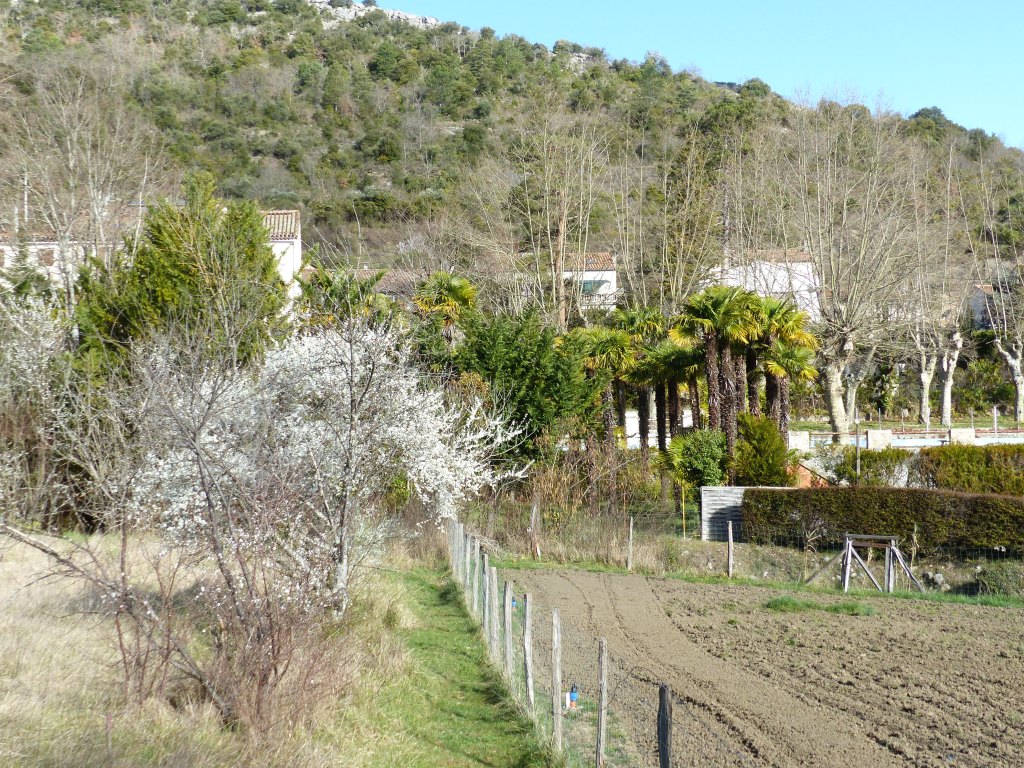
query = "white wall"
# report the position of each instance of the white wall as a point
(780, 279)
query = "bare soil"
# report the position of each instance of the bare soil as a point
(916, 684)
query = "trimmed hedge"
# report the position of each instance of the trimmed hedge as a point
(971, 468)
(885, 467)
(943, 518)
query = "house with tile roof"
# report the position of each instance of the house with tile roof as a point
(593, 279)
(782, 273)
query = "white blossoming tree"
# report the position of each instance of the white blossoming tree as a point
(262, 487)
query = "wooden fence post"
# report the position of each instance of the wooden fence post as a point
(602, 699)
(556, 680)
(486, 607)
(476, 576)
(508, 632)
(664, 726)
(461, 542)
(528, 650)
(456, 545)
(629, 551)
(730, 549)
(847, 564)
(492, 607)
(467, 547)
(534, 532)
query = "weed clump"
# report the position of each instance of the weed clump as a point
(790, 604)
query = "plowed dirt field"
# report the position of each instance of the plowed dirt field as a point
(915, 684)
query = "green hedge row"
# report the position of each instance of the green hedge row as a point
(971, 468)
(943, 518)
(886, 467)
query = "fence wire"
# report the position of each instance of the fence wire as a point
(700, 736)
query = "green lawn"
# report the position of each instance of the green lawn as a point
(452, 709)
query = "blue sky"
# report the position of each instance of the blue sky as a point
(963, 57)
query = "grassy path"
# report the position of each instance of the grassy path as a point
(452, 709)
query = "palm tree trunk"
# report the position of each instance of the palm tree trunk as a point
(740, 364)
(714, 385)
(675, 425)
(727, 378)
(772, 399)
(608, 415)
(643, 414)
(620, 403)
(784, 406)
(695, 416)
(660, 415)
(608, 398)
(677, 497)
(753, 382)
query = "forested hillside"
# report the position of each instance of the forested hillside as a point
(394, 139)
(444, 148)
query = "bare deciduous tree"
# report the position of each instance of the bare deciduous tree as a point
(841, 180)
(77, 161)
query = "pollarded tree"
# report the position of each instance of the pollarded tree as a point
(1000, 202)
(938, 284)
(837, 182)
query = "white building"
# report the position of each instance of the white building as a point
(285, 230)
(593, 280)
(285, 240)
(784, 274)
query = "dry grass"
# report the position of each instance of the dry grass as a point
(62, 704)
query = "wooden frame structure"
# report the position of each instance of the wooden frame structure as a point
(849, 556)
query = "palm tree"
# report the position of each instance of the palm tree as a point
(645, 327)
(720, 319)
(448, 297)
(608, 351)
(675, 364)
(670, 464)
(782, 322)
(336, 295)
(783, 362)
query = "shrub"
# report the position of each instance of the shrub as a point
(887, 467)
(942, 518)
(971, 468)
(701, 456)
(762, 457)
(1003, 577)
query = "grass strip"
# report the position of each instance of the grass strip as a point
(452, 708)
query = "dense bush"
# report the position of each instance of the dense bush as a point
(762, 457)
(887, 467)
(972, 468)
(942, 518)
(701, 454)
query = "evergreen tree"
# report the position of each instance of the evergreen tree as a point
(204, 266)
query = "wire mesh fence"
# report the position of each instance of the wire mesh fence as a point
(561, 692)
(550, 668)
